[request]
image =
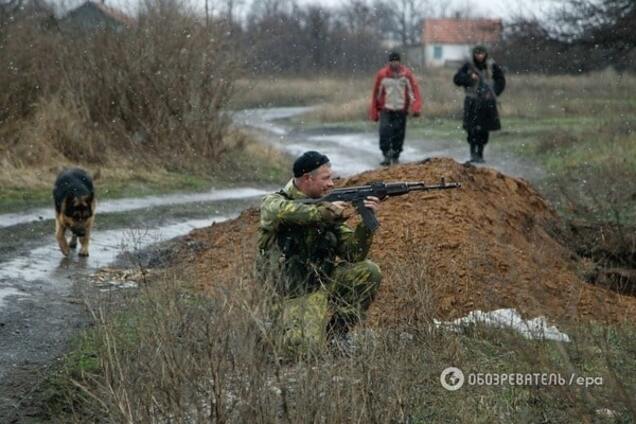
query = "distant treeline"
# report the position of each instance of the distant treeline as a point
(582, 36)
(284, 37)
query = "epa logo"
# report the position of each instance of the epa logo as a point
(452, 379)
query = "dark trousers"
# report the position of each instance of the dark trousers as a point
(477, 140)
(392, 132)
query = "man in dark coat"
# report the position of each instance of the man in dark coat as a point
(483, 81)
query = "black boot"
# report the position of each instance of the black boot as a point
(339, 337)
(480, 153)
(473, 153)
(388, 157)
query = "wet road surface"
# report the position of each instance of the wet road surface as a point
(41, 291)
(352, 151)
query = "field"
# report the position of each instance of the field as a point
(180, 352)
(580, 129)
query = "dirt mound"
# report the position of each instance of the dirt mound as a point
(491, 244)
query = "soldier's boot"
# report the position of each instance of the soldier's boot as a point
(339, 335)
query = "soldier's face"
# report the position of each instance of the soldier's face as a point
(319, 182)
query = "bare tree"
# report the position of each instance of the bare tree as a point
(402, 19)
(7, 6)
(359, 16)
(317, 26)
(264, 8)
(609, 23)
(583, 35)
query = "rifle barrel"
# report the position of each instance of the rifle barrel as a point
(423, 187)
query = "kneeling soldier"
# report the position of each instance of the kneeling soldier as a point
(315, 262)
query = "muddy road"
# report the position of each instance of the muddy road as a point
(41, 292)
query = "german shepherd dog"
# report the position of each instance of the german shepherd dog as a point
(74, 198)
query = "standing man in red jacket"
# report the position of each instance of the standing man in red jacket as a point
(395, 94)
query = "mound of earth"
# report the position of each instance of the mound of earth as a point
(492, 244)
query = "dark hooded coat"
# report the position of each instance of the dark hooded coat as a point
(480, 104)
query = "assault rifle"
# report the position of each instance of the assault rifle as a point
(483, 90)
(381, 190)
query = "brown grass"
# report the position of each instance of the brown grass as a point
(167, 354)
(147, 94)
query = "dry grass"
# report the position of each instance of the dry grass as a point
(287, 91)
(116, 98)
(167, 354)
(526, 96)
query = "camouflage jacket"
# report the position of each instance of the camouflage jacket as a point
(299, 244)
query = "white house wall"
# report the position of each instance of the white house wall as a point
(450, 53)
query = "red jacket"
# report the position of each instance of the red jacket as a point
(408, 99)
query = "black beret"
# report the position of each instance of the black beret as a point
(394, 56)
(308, 162)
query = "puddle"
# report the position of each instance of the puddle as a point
(10, 291)
(46, 263)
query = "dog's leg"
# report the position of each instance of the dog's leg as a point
(73, 243)
(59, 235)
(85, 241)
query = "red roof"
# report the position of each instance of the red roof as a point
(461, 31)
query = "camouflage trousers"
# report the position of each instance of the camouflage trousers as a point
(352, 288)
(344, 297)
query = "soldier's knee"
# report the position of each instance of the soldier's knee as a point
(375, 275)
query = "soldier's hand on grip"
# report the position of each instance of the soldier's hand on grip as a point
(335, 211)
(372, 203)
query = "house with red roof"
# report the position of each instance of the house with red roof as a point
(447, 42)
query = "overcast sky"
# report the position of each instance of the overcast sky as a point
(505, 9)
(484, 8)
(510, 8)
